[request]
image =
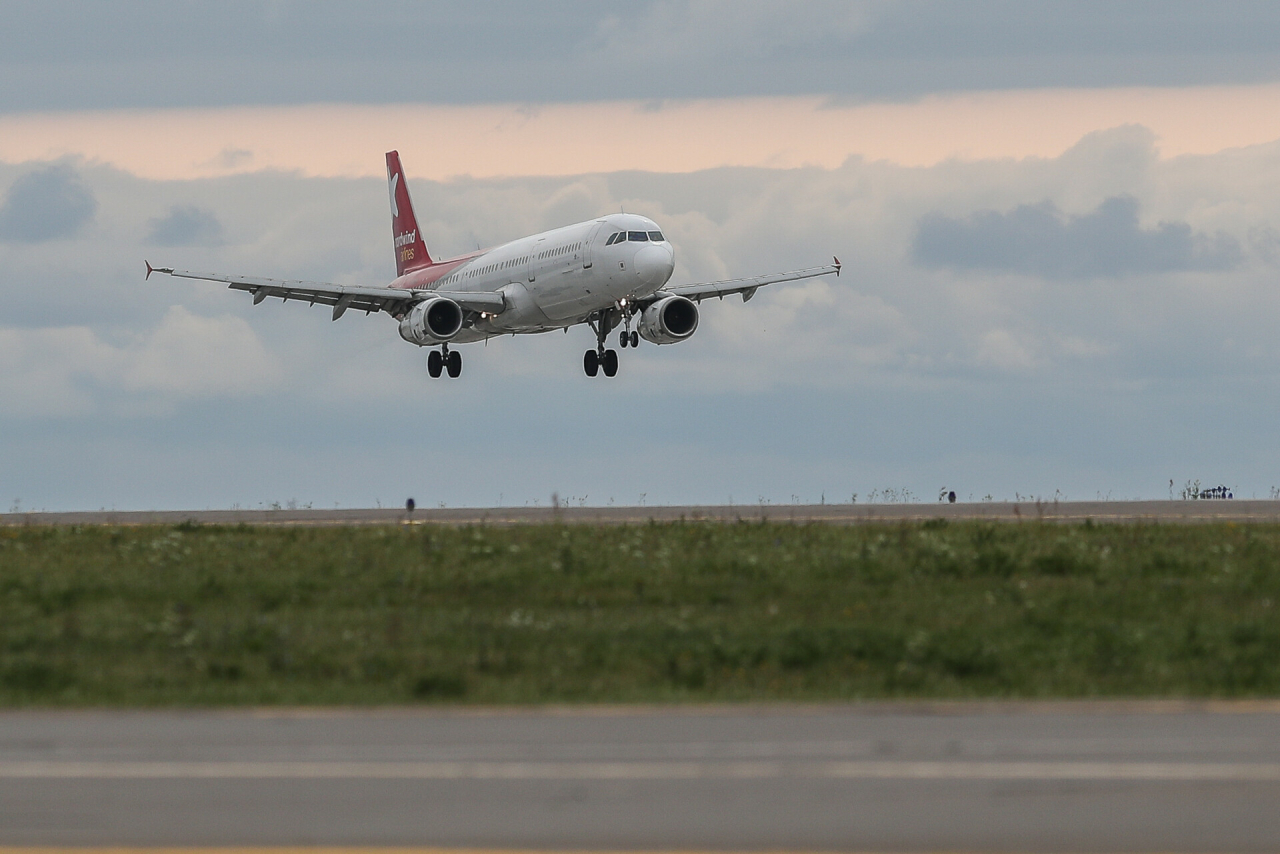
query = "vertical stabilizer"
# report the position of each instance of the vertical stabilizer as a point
(411, 249)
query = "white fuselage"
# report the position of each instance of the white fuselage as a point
(560, 278)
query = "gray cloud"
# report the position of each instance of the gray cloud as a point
(1039, 240)
(185, 225)
(61, 54)
(48, 204)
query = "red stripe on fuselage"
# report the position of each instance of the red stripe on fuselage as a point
(427, 277)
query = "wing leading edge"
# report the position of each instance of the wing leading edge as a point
(747, 287)
(341, 297)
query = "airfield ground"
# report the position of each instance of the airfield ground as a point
(357, 673)
(847, 513)
(659, 611)
(1010, 777)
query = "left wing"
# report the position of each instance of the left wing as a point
(341, 297)
(747, 287)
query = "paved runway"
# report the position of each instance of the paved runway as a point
(1025, 777)
(1067, 511)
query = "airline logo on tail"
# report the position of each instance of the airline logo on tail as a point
(411, 249)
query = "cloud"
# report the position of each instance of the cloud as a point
(1039, 240)
(575, 139)
(48, 204)
(724, 30)
(69, 370)
(186, 225)
(42, 370)
(193, 356)
(60, 54)
(1001, 349)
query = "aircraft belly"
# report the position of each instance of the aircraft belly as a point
(521, 316)
(470, 336)
(568, 294)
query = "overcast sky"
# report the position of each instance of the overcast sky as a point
(71, 55)
(1059, 222)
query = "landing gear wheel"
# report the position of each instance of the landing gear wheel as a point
(454, 363)
(635, 339)
(623, 339)
(435, 364)
(610, 363)
(591, 363)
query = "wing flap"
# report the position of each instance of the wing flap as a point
(747, 287)
(341, 297)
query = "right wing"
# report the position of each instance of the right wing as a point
(342, 297)
(747, 287)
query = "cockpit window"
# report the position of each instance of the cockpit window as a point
(656, 236)
(613, 238)
(637, 236)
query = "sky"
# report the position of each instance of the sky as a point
(1059, 224)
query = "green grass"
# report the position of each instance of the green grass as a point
(660, 612)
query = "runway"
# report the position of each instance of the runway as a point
(846, 514)
(878, 776)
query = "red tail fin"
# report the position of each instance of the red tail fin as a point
(411, 249)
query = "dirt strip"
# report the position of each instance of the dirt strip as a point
(1172, 512)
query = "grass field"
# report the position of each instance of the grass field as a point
(660, 612)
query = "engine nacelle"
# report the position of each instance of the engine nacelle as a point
(432, 321)
(669, 320)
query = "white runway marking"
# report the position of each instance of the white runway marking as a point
(855, 770)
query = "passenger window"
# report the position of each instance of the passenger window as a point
(656, 236)
(637, 236)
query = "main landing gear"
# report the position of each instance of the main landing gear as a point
(444, 359)
(600, 359)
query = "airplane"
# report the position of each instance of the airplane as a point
(607, 272)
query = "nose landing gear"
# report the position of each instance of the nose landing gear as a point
(444, 360)
(627, 337)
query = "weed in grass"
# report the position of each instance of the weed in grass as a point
(433, 686)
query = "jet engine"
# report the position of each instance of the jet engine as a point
(669, 320)
(432, 321)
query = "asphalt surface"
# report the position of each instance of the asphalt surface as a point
(1066, 511)
(1015, 777)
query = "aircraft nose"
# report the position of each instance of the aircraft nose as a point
(654, 265)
